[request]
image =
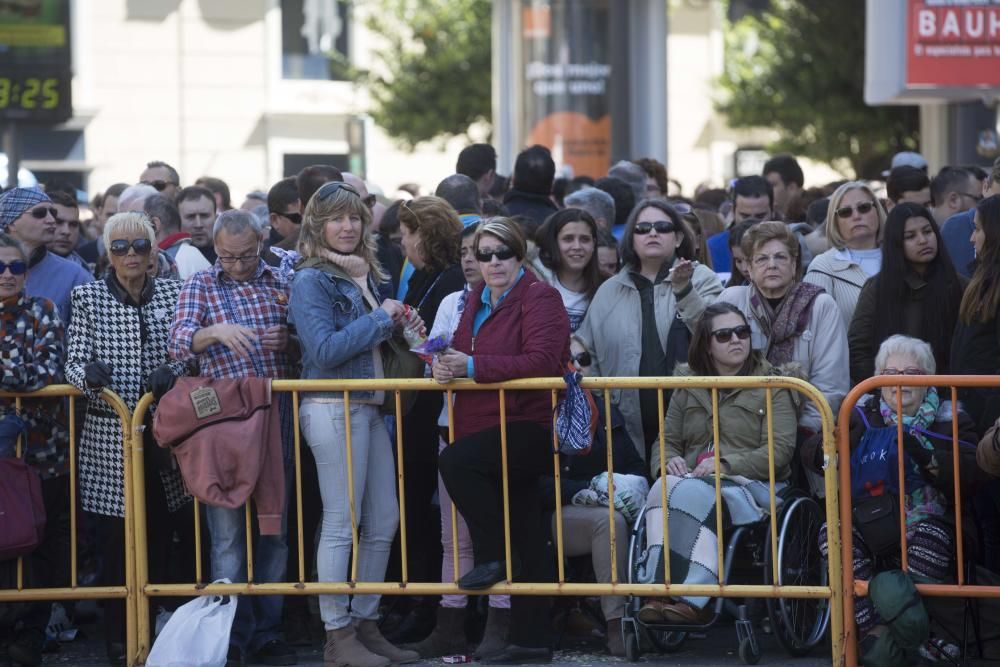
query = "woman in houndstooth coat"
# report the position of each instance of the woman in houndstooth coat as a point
(118, 339)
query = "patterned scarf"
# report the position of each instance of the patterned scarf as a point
(921, 501)
(784, 325)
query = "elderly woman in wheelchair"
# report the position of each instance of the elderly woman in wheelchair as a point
(720, 346)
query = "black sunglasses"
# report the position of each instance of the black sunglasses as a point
(582, 359)
(43, 211)
(329, 188)
(119, 247)
(294, 218)
(17, 268)
(661, 227)
(845, 212)
(502, 253)
(159, 186)
(725, 335)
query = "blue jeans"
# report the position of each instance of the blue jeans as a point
(258, 617)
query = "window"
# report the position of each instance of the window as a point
(315, 39)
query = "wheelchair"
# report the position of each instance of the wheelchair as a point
(798, 624)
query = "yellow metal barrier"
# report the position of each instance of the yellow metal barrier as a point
(850, 586)
(830, 591)
(75, 591)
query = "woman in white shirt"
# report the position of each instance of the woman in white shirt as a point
(854, 224)
(567, 246)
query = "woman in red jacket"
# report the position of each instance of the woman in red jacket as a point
(513, 326)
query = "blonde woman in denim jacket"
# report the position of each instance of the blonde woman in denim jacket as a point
(341, 324)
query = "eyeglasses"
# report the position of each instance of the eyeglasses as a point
(17, 268)
(661, 227)
(725, 335)
(243, 259)
(909, 370)
(294, 218)
(582, 359)
(119, 247)
(43, 211)
(864, 207)
(501, 252)
(975, 198)
(160, 186)
(331, 187)
(779, 258)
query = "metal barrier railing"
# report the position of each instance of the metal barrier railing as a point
(146, 589)
(852, 587)
(74, 591)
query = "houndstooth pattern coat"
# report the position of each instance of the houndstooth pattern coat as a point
(105, 328)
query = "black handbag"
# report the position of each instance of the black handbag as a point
(399, 362)
(876, 518)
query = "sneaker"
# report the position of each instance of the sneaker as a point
(274, 652)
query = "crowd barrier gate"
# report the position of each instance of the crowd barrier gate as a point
(74, 591)
(146, 589)
(852, 587)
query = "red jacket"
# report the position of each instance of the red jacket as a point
(226, 436)
(526, 336)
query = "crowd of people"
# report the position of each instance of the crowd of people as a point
(521, 276)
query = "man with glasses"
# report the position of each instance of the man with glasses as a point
(231, 319)
(163, 177)
(285, 213)
(956, 232)
(953, 190)
(28, 215)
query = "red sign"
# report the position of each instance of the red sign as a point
(953, 43)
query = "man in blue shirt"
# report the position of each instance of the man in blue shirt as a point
(753, 199)
(956, 232)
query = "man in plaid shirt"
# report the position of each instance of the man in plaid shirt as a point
(231, 318)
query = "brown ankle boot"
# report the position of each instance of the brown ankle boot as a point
(344, 649)
(496, 634)
(616, 645)
(369, 635)
(448, 636)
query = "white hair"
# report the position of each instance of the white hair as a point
(135, 195)
(598, 203)
(899, 344)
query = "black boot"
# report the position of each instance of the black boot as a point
(497, 632)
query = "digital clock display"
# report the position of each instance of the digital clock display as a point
(41, 95)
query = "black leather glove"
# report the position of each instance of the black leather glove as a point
(97, 374)
(161, 381)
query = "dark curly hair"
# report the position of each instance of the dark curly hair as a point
(439, 228)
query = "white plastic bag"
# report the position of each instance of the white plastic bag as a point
(197, 634)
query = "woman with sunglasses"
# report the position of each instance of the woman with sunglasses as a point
(118, 340)
(567, 247)
(917, 292)
(31, 357)
(975, 347)
(342, 325)
(513, 326)
(720, 345)
(638, 323)
(854, 223)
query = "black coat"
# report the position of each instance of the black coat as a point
(533, 206)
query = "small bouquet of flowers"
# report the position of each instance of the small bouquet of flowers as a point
(431, 347)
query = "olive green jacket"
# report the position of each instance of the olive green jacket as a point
(688, 430)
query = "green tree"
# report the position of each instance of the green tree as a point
(433, 79)
(798, 67)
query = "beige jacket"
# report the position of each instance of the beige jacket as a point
(841, 278)
(612, 331)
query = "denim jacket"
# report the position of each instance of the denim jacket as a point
(337, 331)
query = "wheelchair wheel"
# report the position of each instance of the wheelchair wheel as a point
(667, 641)
(749, 653)
(631, 646)
(799, 624)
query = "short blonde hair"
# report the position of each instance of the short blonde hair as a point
(333, 199)
(505, 229)
(128, 223)
(833, 229)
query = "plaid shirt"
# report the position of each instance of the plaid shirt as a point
(211, 297)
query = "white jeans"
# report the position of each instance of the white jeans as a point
(374, 492)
